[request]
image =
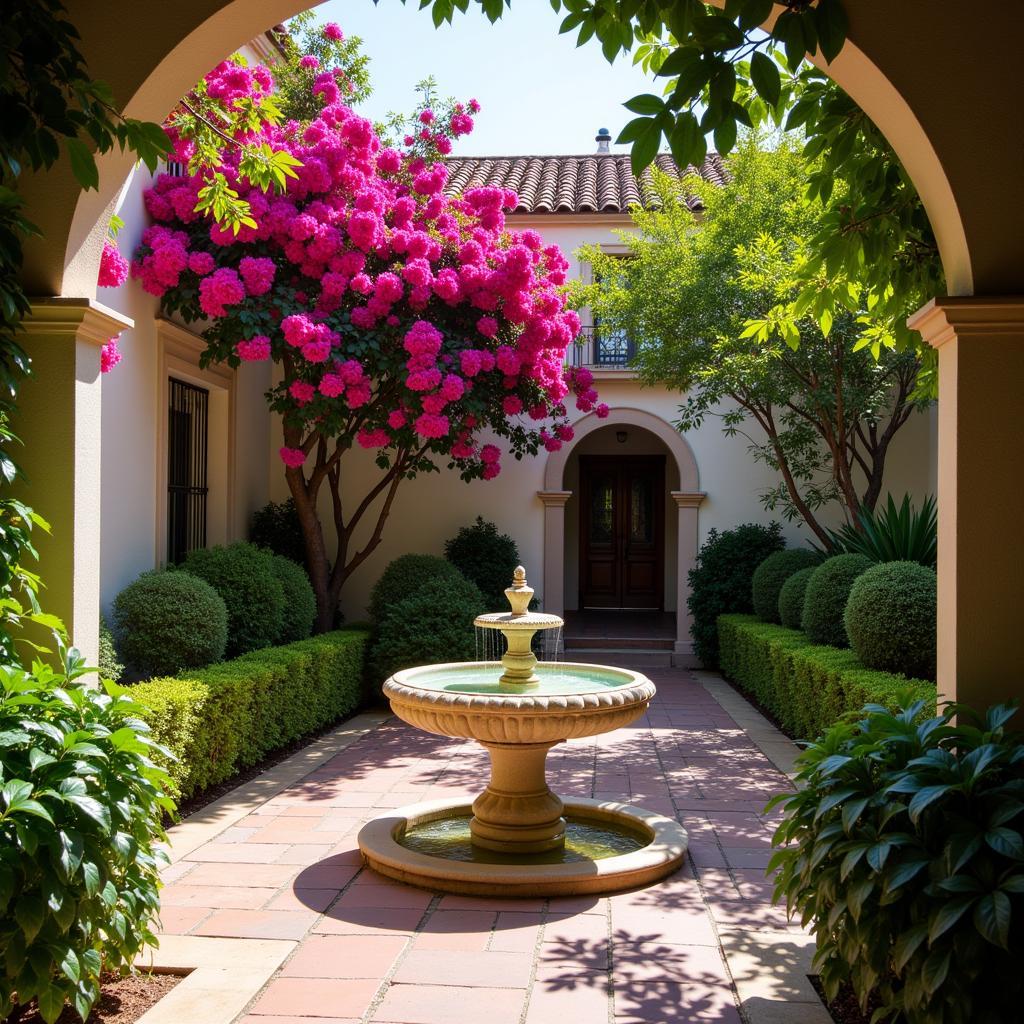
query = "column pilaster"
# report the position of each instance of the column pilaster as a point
(980, 344)
(687, 503)
(59, 420)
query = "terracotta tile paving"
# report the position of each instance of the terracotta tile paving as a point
(371, 951)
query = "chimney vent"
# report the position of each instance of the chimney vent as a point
(603, 140)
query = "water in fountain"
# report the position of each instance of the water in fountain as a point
(584, 841)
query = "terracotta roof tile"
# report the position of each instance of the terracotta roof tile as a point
(591, 183)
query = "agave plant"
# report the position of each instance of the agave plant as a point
(894, 533)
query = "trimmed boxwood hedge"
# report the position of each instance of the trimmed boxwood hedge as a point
(805, 686)
(230, 716)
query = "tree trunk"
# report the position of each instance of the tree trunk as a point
(317, 564)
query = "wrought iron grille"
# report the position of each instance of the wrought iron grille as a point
(601, 346)
(187, 436)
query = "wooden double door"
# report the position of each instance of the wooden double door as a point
(622, 531)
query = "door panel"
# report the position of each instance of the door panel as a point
(622, 547)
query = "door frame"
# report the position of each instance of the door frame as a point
(658, 463)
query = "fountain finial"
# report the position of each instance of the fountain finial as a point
(520, 593)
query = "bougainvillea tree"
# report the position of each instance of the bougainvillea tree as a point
(403, 320)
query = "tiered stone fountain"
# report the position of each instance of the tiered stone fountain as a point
(518, 838)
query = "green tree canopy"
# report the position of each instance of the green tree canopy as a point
(693, 293)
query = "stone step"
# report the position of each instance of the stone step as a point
(617, 643)
(622, 657)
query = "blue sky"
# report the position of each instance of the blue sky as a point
(539, 93)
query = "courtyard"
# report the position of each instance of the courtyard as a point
(277, 860)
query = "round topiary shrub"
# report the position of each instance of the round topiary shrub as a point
(720, 580)
(404, 576)
(169, 621)
(890, 618)
(432, 624)
(486, 558)
(791, 598)
(772, 573)
(244, 577)
(826, 596)
(299, 600)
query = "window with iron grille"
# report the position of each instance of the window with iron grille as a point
(187, 435)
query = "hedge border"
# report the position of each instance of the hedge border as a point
(806, 686)
(219, 720)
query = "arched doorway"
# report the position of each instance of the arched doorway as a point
(620, 523)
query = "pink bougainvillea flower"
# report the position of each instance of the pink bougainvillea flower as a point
(110, 355)
(113, 267)
(292, 457)
(332, 31)
(255, 349)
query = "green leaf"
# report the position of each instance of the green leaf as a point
(935, 969)
(900, 874)
(947, 915)
(992, 918)
(90, 877)
(830, 22)
(92, 807)
(51, 1003)
(924, 798)
(83, 166)
(725, 136)
(646, 103)
(765, 75)
(69, 965)
(1005, 841)
(30, 912)
(686, 141)
(645, 148)
(907, 944)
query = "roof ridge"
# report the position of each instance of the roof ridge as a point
(711, 156)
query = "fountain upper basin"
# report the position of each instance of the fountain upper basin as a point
(569, 701)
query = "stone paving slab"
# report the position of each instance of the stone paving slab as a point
(703, 945)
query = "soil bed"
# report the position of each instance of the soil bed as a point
(845, 1009)
(121, 1001)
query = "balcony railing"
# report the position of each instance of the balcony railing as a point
(604, 348)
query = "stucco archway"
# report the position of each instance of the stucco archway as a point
(686, 500)
(943, 89)
(171, 49)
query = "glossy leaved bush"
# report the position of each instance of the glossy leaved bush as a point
(720, 580)
(81, 804)
(485, 557)
(903, 851)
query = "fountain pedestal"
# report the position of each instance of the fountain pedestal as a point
(517, 812)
